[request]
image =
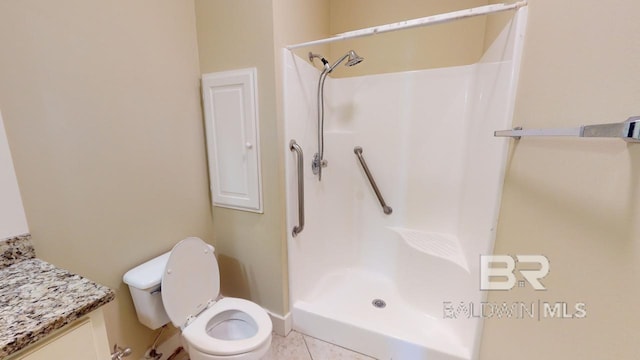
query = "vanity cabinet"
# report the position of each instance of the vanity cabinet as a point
(84, 339)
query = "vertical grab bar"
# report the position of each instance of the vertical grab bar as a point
(358, 151)
(293, 146)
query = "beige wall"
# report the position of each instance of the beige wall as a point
(296, 21)
(456, 43)
(251, 248)
(575, 200)
(494, 25)
(101, 105)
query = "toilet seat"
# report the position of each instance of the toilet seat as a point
(196, 333)
(190, 280)
(190, 287)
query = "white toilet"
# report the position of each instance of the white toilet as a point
(183, 286)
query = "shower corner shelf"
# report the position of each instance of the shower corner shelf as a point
(628, 131)
(444, 246)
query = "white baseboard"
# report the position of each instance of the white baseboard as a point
(281, 324)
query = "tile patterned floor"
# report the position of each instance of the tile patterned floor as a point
(297, 346)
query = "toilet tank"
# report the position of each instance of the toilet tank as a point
(144, 284)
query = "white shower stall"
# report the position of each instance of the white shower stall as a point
(378, 283)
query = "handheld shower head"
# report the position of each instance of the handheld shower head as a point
(351, 57)
(354, 59)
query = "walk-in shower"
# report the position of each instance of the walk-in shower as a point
(386, 282)
(353, 59)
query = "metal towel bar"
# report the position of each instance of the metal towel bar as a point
(293, 146)
(358, 151)
(628, 130)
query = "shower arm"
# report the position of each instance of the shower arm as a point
(337, 62)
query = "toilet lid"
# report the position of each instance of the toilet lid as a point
(190, 279)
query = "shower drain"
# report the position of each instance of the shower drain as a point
(379, 303)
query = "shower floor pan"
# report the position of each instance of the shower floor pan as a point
(341, 311)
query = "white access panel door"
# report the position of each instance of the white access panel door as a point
(230, 101)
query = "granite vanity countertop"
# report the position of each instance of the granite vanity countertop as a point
(37, 298)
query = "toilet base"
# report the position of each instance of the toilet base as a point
(256, 354)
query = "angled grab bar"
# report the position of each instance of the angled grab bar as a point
(385, 208)
(293, 146)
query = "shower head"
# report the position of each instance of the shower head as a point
(354, 59)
